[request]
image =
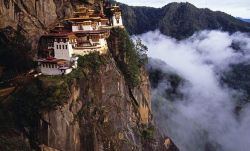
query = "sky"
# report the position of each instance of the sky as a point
(237, 8)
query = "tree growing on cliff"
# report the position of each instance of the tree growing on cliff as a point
(130, 56)
(141, 50)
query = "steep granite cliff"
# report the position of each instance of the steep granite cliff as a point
(91, 109)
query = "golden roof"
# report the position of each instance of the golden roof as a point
(79, 12)
(81, 7)
(104, 19)
(84, 18)
(87, 21)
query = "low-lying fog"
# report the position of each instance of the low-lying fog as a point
(204, 117)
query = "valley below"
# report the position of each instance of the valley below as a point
(200, 89)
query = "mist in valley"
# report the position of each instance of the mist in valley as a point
(199, 112)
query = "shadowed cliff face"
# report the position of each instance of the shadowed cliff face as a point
(33, 18)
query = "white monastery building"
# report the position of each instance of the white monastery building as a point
(59, 49)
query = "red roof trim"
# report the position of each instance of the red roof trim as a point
(61, 34)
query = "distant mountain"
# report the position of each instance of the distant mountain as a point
(179, 20)
(246, 20)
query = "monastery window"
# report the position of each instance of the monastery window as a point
(63, 46)
(56, 46)
(66, 47)
(60, 47)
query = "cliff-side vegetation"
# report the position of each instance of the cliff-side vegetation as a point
(130, 56)
(88, 63)
(48, 92)
(23, 108)
(44, 93)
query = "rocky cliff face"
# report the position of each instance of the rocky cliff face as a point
(32, 18)
(99, 115)
(94, 112)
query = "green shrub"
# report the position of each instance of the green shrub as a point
(91, 62)
(148, 133)
(43, 94)
(130, 56)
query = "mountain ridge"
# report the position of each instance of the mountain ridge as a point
(245, 20)
(179, 20)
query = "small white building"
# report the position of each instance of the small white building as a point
(58, 58)
(54, 66)
(116, 16)
(63, 49)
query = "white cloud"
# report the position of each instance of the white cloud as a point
(239, 8)
(205, 115)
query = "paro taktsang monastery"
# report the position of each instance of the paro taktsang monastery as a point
(84, 33)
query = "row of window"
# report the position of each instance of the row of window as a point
(61, 46)
(61, 40)
(49, 65)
